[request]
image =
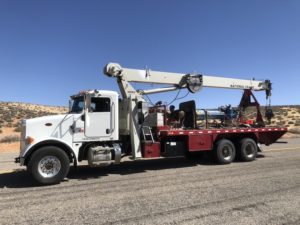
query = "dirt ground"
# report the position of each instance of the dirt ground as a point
(13, 147)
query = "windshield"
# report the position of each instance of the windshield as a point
(78, 104)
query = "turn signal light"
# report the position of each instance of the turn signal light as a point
(30, 140)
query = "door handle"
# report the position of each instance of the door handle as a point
(107, 131)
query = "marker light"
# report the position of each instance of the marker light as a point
(30, 140)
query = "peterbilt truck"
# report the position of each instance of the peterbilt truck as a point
(102, 127)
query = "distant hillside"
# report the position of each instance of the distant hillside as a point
(286, 116)
(12, 112)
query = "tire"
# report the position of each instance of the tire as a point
(224, 151)
(49, 165)
(247, 150)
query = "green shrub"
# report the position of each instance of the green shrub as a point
(9, 125)
(281, 123)
(7, 119)
(17, 129)
(9, 139)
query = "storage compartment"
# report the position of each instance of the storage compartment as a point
(173, 148)
(151, 149)
(200, 142)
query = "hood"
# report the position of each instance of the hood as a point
(54, 126)
(51, 118)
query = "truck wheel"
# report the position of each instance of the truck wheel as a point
(224, 151)
(247, 150)
(49, 165)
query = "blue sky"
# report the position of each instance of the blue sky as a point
(52, 49)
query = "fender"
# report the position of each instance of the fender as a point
(51, 141)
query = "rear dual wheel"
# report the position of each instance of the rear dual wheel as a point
(224, 151)
(247, 150)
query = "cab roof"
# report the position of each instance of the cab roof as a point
(95, 92)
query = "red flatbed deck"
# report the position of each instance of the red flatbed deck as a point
(199, 140)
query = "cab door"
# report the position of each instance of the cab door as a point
(98, 117)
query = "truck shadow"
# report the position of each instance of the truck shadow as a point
(22, 179)
(17, 179)
(135, 167)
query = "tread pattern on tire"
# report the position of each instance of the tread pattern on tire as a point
(42, 152)
(241, 149)
(217, 151)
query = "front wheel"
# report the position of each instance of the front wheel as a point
(49, 165)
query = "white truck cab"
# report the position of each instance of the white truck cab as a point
(99, 116)
(91, 126)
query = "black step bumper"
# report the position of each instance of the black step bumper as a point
(18, 160)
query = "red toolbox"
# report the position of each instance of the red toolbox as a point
(151, 149)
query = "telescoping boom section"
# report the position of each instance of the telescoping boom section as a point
(158, 131)
(194, 82)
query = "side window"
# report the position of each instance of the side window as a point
(100, 105)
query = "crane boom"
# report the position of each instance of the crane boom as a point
(179, 80)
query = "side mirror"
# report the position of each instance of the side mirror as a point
(83, 117)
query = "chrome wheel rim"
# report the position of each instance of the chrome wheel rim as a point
(226, 152)
(249, 150)
(49, 166)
